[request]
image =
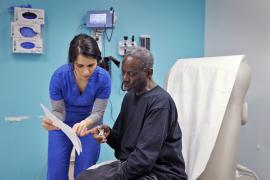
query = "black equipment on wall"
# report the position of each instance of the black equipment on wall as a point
(105, 63)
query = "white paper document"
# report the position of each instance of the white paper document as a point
(65, 128)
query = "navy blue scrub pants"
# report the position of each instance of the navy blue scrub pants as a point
(59, 150)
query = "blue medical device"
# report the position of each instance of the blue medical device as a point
(99, 19)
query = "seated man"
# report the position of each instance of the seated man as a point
(146, 136)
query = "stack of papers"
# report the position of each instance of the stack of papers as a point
(65, 128)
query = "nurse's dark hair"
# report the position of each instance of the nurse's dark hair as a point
(83, 44)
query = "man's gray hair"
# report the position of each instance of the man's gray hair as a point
(142, 54)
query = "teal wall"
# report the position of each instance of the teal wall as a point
(176, 28)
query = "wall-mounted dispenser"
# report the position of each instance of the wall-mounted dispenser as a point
(27, 45)
(29, 15)
(26, 30)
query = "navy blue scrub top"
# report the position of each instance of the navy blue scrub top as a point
(78, 106)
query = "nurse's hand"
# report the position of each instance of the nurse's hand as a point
(47, 124)
(82, 127)
(100, 133)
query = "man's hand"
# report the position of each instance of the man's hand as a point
(82, 128)
(47, 124)
(100, 133)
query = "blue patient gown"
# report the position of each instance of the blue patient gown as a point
(78, 106)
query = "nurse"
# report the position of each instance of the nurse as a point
(79, 91)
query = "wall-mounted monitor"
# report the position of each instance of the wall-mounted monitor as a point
(99, 19)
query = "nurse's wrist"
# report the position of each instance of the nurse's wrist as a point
(89, 123)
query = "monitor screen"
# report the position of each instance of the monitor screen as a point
(99, 19)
